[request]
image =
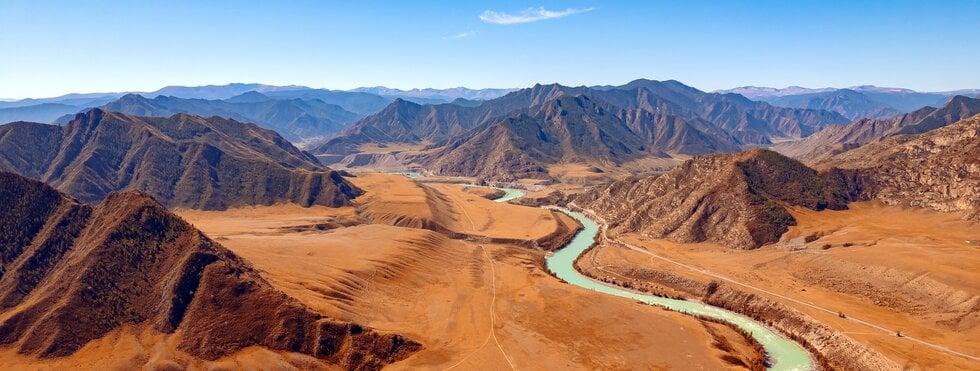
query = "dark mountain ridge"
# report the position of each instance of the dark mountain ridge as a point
(71, 273)
(182, 160)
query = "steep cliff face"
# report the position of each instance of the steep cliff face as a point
(736, 200)
(939, 169)
(182, 160)
(71, 273)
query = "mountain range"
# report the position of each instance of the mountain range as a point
(446, 95)
(296, 119)
(856, 102)
(836, 139)
(181, 160)
(740, 200)
(361, 101)
(73, 273)
(529, 129)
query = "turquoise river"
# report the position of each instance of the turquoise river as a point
(784, 354)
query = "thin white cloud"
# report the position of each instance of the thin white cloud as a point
(460, 36)
(528, 15)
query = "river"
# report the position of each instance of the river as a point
(784, 354)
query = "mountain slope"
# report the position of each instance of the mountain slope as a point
(569, 129)
(685, 117)
(748, 121)
(362, 104)
(849, 103)
(182, 160)
(217, 92)
(902, 100)
(44, 112)
(737, 200)
(71, 273)
(939, 169)
(839, 139)
(294, 119)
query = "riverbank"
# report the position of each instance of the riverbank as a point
(785, 354)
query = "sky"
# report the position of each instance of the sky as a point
(51, 48)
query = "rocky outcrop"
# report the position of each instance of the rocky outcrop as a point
(182, 160)
(736, 200)
(71, 273)
(939, 169)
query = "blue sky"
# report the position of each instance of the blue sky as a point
(56, 47)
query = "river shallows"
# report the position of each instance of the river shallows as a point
(509, 194)
(786, 354)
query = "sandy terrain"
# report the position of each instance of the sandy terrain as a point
(484, 306)
(130, 348)
(473, 305)
(905, 270)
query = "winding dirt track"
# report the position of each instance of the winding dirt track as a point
(493, 301)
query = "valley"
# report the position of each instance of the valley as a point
(484, 300)
(862, 273)
(497, 185)
(647, 225)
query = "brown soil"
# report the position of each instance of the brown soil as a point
(72, 274)
(472, 305)
(907, 270)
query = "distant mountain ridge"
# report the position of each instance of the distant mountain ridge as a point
(643, 117)
(181, 160)
(362, 101)
(836, 139)
(866, 101)
(570, 129)
(447, 95)
(295, 119)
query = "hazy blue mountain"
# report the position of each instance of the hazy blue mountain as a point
(79, 100)
(360, 103)
(836, 139)
(297, 120)
(847, 102)
(44, 112)
(759, 92)
(218, 91)
(445, 95)
(867, 101)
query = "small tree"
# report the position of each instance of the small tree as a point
(712, 288)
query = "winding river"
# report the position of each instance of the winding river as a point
(784, 354)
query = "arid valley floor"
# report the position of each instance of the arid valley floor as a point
(444, 265)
